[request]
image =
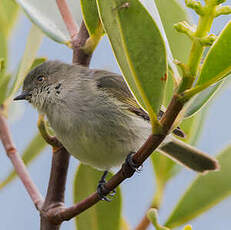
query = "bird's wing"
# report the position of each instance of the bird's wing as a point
(115, 85)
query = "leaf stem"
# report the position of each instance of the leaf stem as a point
(204, 25)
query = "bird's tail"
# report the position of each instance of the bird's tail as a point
(188, 156)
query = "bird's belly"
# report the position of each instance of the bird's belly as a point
(104, 145)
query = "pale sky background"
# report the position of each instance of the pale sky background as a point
(17, 210)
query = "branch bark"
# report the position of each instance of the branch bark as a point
(17, 162)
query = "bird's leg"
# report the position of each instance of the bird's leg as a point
(102, 190)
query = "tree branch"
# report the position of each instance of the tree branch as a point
(17, 162)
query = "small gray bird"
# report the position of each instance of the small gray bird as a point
(96, 118)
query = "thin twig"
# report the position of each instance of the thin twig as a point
(67, 18)
(18, 164)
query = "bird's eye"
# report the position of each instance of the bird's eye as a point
(40, 78)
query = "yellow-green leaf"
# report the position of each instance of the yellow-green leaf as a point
(8, 15)
(169, 18)
(205, 192)
(216, 67)
(217, 61)
(34, 148)
(38, 61)
(33, 43)
(90, 15)
(102, 216)
(139, 49)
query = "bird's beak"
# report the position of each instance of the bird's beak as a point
(22, 96)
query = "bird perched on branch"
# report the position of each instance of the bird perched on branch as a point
(96, 118)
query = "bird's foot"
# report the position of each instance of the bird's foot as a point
(129, 161)
(103, 191)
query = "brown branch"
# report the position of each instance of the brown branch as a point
(55, 193)
(144, 223)
(79, 56)
(17, 162)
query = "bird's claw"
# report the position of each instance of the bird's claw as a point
(129, 161)
(103, 191)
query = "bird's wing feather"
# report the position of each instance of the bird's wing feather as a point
(115, 85)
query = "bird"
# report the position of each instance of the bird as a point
(96, 117)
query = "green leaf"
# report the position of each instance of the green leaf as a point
(169, 18)
(4, 83)
(215, 67)
(140, 52)
(217, 62)
(37, 61)
(169, 89)
(205, 192)
(46, 15)
(3, 47)
(164, 167)
(153, 11)
(34, 148)
(201, 100)
(193, 127)
(33, 43)
(103, 215)
(90, 15)
(8, 14)
(124, 225)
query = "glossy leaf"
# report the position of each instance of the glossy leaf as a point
(154, 12)
(215, 67)
(101, 216)
(217, 61)
(8, 14)
(169, 18)
(164, 167)
(33, 43)
(205, 192)
(4, 83)
(3, 47)
(45, 14)
(202, 99)
(34, 148)
(193, 126)
(140, 52)
(90, 15)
